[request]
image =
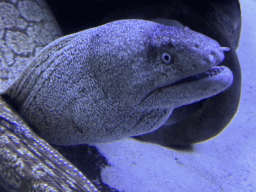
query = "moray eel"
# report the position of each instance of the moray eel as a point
(106, 83)
(27, 162)
(117, 80)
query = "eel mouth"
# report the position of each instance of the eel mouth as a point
(210, 73)
(190, 90)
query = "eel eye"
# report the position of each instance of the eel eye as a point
(167, 58)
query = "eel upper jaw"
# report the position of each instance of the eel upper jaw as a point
(210, 72)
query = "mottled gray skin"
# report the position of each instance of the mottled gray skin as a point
(116, 81)
(27, 162)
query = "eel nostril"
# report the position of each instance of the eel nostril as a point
(197, 45)
(216, 56)
(213, 53)
(212, 58)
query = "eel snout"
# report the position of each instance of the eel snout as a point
(216, 55)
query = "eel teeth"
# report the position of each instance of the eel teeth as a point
(213, 71)
(209, 73)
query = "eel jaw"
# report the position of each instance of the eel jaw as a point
(216, 60)
(205, 84)
(214, 71)
(201, 86)
(189, 90)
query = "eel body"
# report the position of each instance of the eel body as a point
(28, 163)
(117, 80)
